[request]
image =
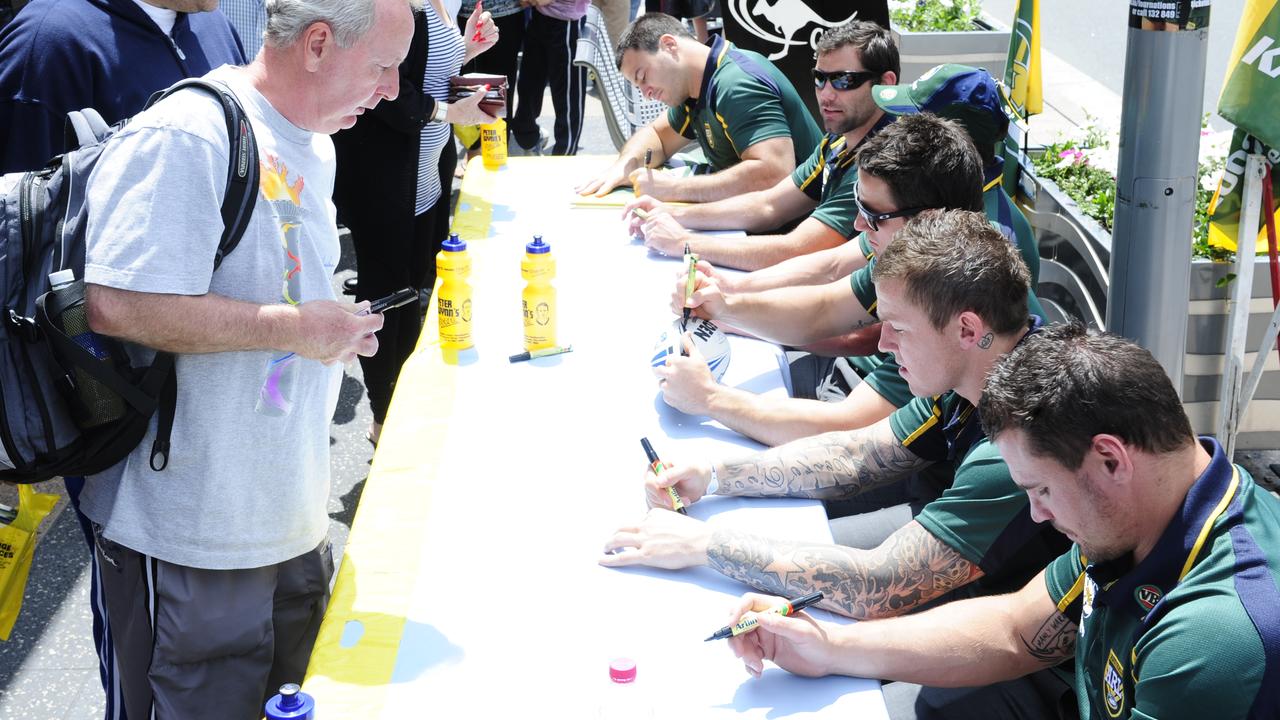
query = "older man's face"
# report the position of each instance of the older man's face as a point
(354, 79)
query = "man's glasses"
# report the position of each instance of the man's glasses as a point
(874, 218)
(843, 79)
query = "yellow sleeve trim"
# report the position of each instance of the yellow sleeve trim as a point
(1072, 594)
(1208, 523)
(924, 427)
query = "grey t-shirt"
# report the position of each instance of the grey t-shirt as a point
(248, 476)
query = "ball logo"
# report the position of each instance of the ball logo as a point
(1113, 685)
(788, 18)
(1147, 596)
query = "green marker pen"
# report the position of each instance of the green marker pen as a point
(544, 352)
(749, 622)
(656, 466)
(692, 261)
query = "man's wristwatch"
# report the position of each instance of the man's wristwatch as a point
(442, 110)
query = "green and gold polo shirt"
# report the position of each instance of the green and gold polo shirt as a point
(744, 100)
(1192, 631)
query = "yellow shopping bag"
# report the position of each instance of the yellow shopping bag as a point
(17, 546)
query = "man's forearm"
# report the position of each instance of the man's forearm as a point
(750, 212)
(777, 420)
(815, 268)
(775, 314)
(910, 569)
(967, 643)
(744, 177)
(828, 466)
(189, 323)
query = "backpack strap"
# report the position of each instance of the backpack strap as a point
(242, 175)
(237, 208)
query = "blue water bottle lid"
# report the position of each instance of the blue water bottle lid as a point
(537, 247)
(291, 704)
(454, 243)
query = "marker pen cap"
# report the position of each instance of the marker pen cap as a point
(622, 670)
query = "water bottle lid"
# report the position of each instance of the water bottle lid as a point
(622, 670)
(291, 704)
(62, 277)
(454, 243)
(537, 247)
(289, 696)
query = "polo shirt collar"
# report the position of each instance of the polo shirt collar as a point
(1162, 569)
(993, 173)
(719, 48)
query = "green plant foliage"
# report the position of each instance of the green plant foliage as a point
(934, 15)
(1094, 189)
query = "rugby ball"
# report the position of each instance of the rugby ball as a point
(707, 338)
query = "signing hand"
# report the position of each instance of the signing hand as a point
(690, 482)
(686, 382)
(645, 204)
(663, 234)
(710, 288)
(660, 184)
(664, 539)
(798, 644)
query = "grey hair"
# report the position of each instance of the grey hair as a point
(349, 19)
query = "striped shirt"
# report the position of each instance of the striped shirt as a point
(444, 60)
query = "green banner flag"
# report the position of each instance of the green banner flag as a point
(1251, 93)
(1022, 85)
(1224, 208)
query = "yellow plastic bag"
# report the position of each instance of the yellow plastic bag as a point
(17, 547)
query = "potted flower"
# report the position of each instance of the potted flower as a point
(932, 32)
(1069, 198)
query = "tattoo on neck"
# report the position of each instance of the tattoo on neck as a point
(985, 341)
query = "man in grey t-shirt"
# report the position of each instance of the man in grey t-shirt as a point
(215, 571)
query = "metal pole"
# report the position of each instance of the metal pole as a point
(1231, 402)
(1156, 188)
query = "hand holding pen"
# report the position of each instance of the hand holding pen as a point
(657, 467)
(751, 620)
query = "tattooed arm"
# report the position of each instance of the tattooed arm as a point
(909, 568)
(827, 466)
(967, 643)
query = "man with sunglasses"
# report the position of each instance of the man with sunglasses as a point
(898, 180)
(745, 115)
(819, 194)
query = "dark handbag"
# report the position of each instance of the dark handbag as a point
(495, 100)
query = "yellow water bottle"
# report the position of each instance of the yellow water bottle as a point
(453, 303)
(493, 144)
(539, 298)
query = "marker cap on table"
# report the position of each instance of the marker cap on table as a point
(622, 670)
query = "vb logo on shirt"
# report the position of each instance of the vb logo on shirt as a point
(1113, 685)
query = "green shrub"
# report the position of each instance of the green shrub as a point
(934, 15)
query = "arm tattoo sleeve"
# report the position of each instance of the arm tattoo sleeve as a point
(1054, 641)
(910, 568)
(828, 466)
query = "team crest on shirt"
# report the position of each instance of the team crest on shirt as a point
(1147, 596)
(706, 131)
(1113, 685)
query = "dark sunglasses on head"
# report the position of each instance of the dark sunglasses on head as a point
(875, 218)
(843, 79)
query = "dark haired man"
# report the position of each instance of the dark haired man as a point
(819, 194)
(742, 111)
(1168, 600)
(954, 301)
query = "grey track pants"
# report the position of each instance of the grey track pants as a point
(195, 644)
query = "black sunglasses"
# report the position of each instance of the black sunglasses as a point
(843, 79)
(874, 218)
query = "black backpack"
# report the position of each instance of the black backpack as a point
(70, 401)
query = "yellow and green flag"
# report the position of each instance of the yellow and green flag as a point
(1022, 82)
(1251, 101)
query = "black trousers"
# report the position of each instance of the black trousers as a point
(549, 47)
(389, 257)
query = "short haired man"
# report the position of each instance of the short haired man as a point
(215, 571)
(954, 300)
(819, 194)
(743, 112)
(111, 55)
(1168, 599)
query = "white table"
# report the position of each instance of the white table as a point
(470, 585)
